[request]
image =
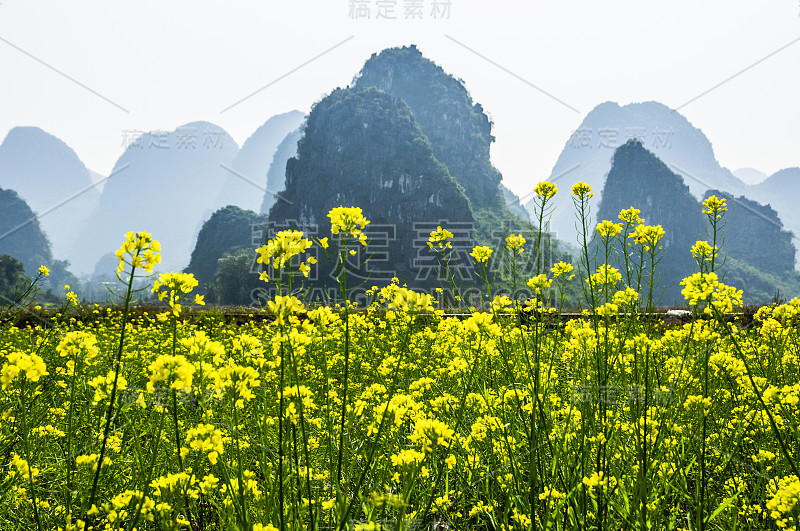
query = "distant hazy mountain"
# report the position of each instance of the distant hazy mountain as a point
(244, 187)
(588, 152)
(50, 177)
(781, 191)
(276, 175)
(165, 183)
(99, 181)
(750, 176)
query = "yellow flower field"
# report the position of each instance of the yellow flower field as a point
(399, 417)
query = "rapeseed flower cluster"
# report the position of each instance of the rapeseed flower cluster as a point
(279, 251)
(703, 251)
(481, 254)
(437, 416)
(349, 220)
(545, 190)
(630, 216)
(176, 286)
(605, 275)
(172, 372)
(409, 301)
(139, 250)
(714, 207)
(441, 239)
(539, 284)
(582, 191)
(562, 268)
(706, 287)
(608, 229)
(647, 236)
(207, 440)
(31, 367)
(515, 244)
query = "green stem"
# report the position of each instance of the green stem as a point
(113, 396)
(26, 444)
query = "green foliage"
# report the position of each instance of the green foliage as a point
(11, 276)
(21, 236)
(233, 280)
(229, 230)
(760, 287)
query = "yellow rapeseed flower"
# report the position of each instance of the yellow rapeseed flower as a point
(582, 190)
(703, 251)
(407, 300)
(630, 216)
(282, 307)
(545, 190)
(237, 380)
(539, 283)
(174, 371)
(605, 275)
(481, 254)
(279, 250)
(647, 235)
(608, 229)
(177, 285)
(440, 238)
(699, 287)
(714, 207)
(349, 220)
(31, 365)
(139, 250)
(561, 268)
(515, 243)
(206, 439)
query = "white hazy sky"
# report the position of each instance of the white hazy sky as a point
(165, 63)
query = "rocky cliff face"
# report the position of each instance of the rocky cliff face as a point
(760, 253)
(639, 179)
(276, 175)
(363, 147)
(754, 234)
(459, 131)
